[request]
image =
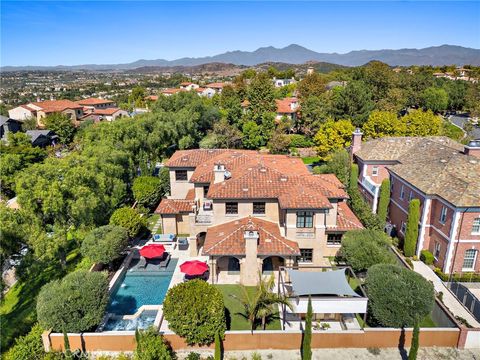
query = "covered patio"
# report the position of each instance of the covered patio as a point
(334, 302)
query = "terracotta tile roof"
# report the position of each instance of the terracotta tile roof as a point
(435, 165)
(186, 83)
(56, 105)
(190, 195)
(108, 111)
(174, 206)
(284, 105)
(245, 103)
(346, 219)
(94, 101)
(27, 108)
(171, 91)
(200, 89)
(152, 97)
(228, 238)
(216, 85)
(192, 158)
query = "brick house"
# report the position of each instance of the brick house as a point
(444, 175)
(251, 212)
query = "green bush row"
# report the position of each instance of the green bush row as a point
(427, 257)
(463, 277)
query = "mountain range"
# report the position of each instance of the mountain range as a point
(296, 54)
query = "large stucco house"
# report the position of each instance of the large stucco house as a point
(251, 212)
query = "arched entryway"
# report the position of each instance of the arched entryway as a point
(201, 240)
(228, 270)
(272, 264)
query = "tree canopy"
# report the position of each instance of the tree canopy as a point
(105, 244)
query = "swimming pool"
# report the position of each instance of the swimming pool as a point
(145, 319)
(140, 287)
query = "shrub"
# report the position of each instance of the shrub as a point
(300, 141)
(398, 296)
(384, 201)
(195, 311)
(411, 234)
(151, 346)
(427, 257)
(307, 336)
(75, 303)
(463, 277)
(338, 164)
(147, 190)
(29, 346)
(105, 244)
(353, 181)
(193, 356)
(364, 248)
(129, 219)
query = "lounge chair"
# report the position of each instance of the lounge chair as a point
(165, 260)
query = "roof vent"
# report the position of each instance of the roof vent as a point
(262, 169)
(185, 159)
(473, 161)
(283, 178)
(227, 175)
(443, 161)
(268, 240)
(245, 189)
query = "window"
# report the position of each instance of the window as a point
(403, 228)
(205, 190)
(304, 219)
(306, 255)
(476, 226)
(468, 259)
(436, 251)
(443, 215)
(259, 208)
(375, 171)
(402, 192)
(231, 208)
(334, 239)
(410, 196)
(181, 175)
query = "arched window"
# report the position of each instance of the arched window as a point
(476, 226)
(469, 259)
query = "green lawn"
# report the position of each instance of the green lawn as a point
(427, 322)
(151, 221)
(310, 160)
(236, 321)
(17, 310)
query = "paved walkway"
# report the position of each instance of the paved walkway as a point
(449, 300)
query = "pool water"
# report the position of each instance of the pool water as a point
(146, 319)
(139, 288)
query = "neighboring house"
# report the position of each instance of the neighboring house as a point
(109, 114)
(283, 82)
(216, 87)
(252, 212)
(187, 86)
(95, 104)
(42, 138)
(169, 92)
(444, 176)
(43, 108)
(8, 125)
(288, 107)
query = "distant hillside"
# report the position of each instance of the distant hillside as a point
(296, 54)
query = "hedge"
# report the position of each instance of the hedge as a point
(463, 277)
(427, 257)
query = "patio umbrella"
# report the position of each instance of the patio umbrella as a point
(152, 251)
(194, 267)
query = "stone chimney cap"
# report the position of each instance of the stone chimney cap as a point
(250, 225)
(358, 131)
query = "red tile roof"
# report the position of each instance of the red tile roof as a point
(108, 111)
(56, 105)
(94, 101)
(186, 83)
(152, 97)
(284, 105)
(190, 195)
(216, 85)
(174, 206)
(346, 219)
(171, 91)
(228, 239)
(192, 158)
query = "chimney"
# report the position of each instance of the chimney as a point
(310, 70)
(356, 141)
(249, 276)
(472, 148)
(219, 171)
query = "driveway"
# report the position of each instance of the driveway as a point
(459, 121)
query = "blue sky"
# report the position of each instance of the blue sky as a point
(70, 32)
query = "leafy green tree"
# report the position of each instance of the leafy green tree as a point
(312, 85)
(147, 191)
(338, 164)
(252, 135)
(279, 143)
(195, 311)
(12, 231)
(164, 176)
(61, 125)
(315, 110)
(472, 100)
(435, 99)
(223, 136)
(353, 102)
(422, 123)
(261, 94)
(379, 77)
(384, 200)
(307, 335)
(151, 346)
(395, 100)
(231, 103)
(105, 244)
(137, 97)
(129, 219)
(411, 234)
(457, 92)
(383, 123)
(29, 346)
(76, 303)
(333, 135)
(365, 248)
(407, 297)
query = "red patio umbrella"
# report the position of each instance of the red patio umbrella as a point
(152, 251)
(194, 267)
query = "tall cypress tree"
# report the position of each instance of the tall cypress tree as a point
(384, 201)
(412, 355)
(353, 178)
(218, 347)
(307, 335)
(411, 234)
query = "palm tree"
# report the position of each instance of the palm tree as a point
(263, 303)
